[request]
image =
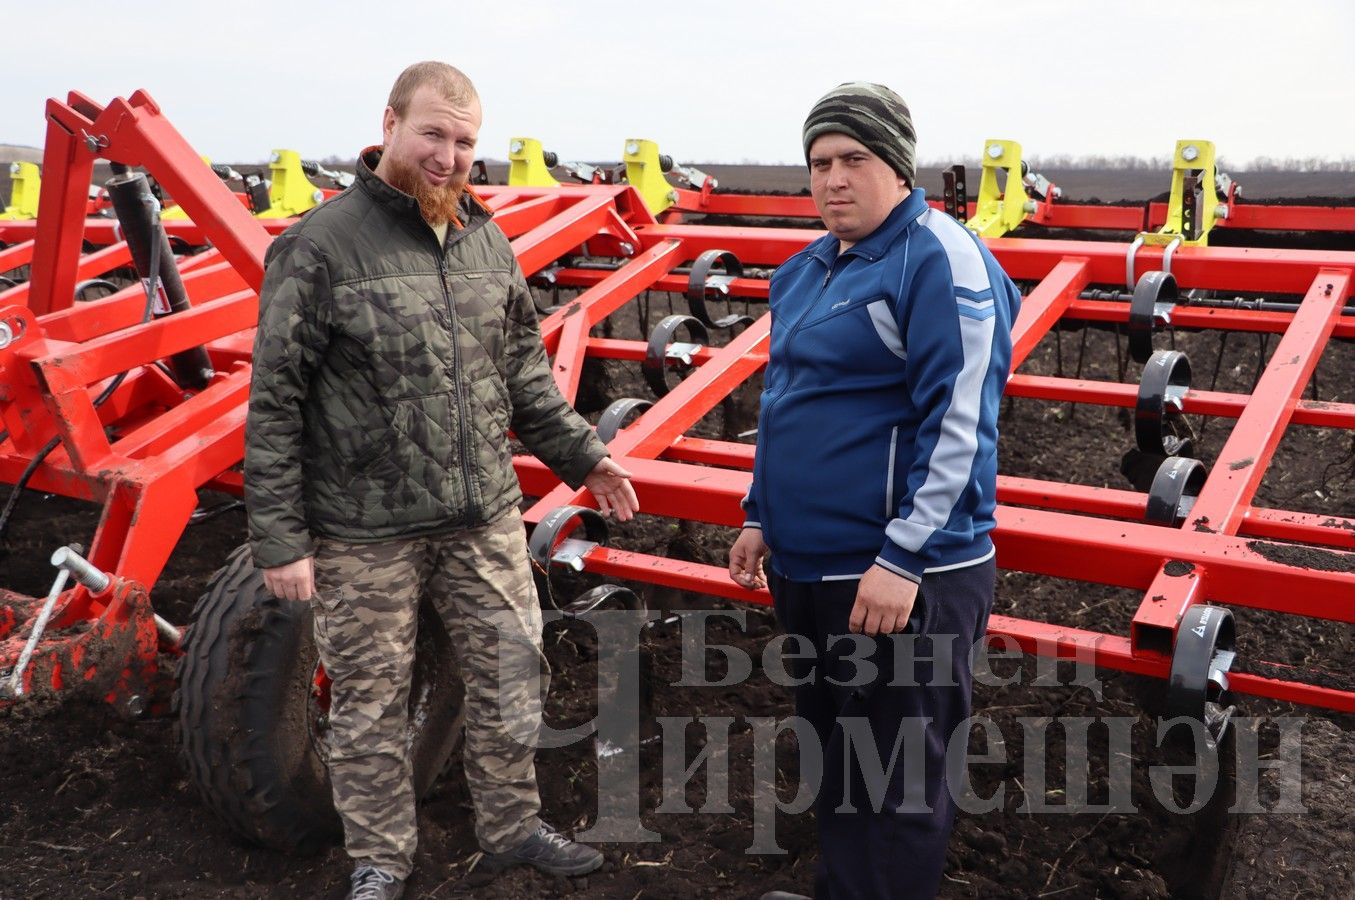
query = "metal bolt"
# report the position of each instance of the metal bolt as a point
(6, 335)
(1029, 206)
(632, 148)
(1221, 211)
(82, 569)
(515, 147)
(137, 706)
(628, 248)
(14, 168)
(994, 151)
(1189, 152)
(274, 157)
(672, 197)
(318, 196)
(173, 636)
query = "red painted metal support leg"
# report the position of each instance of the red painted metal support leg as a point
(67, 165)
(1044, 305)
(1243, 461)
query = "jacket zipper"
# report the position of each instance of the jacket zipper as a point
(890, 511)
(463, 429)
(472, 507)
(764, 513)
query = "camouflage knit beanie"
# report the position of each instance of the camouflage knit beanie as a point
(873, 115)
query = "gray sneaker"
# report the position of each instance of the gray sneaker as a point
(371, 883)
(549, 851)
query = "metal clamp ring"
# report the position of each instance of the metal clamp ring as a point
(1155, 296)
(616, 413)
(90, 284)
(1158, 424)
(545, 547)
(1175, 488)
(701, 284)
(662, 349)
(1197, 688)
(590, 600)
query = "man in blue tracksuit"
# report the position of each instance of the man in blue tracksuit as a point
(874, 487)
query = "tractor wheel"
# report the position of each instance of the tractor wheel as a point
(252, 711)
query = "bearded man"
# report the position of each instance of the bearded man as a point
(397, 347)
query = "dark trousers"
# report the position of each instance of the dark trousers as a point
(883, 830)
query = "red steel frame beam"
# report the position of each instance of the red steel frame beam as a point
(1278, 217)
(1024, 542)
(567, 329)
(1134, 218)
(1090, 500)
(712, 495)
(147, 477)
(103, 232)
(1320, 594)
(1243, 461)
(20, 254)
(132, 132)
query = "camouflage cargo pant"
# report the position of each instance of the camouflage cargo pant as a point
(366, 616)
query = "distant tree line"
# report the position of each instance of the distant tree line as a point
(1158, 163)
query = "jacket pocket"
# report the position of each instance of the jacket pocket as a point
(417, 476)
(841, 309)
(428, 429)
(480, 296)
(918, 620)
(366, 457)
(491, 409)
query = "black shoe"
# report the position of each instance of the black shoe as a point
(783, 895)
(371, 883)
(549, 851)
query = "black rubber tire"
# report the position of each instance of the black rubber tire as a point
(246, 721)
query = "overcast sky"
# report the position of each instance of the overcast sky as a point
(726, 81)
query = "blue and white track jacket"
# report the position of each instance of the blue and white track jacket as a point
(877, 441)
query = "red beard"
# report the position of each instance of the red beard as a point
(437, 203)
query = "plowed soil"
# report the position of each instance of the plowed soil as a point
(96, 805)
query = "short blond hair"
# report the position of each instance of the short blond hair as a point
(449, 81)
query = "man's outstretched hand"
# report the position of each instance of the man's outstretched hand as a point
(610, 486)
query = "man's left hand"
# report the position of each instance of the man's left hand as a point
(884, 601)
(611, 487)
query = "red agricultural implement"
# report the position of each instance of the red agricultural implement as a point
(136, 401)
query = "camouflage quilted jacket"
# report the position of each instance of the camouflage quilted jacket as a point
(387, 373)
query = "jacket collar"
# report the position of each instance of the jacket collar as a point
(472, 210)
(877, 243)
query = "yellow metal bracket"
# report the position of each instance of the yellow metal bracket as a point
(528, 165)
(998, 211)
(1193, 209)
(644, 172)
(291, 192)
(24, 186)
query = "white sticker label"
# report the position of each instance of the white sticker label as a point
(160, 303)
